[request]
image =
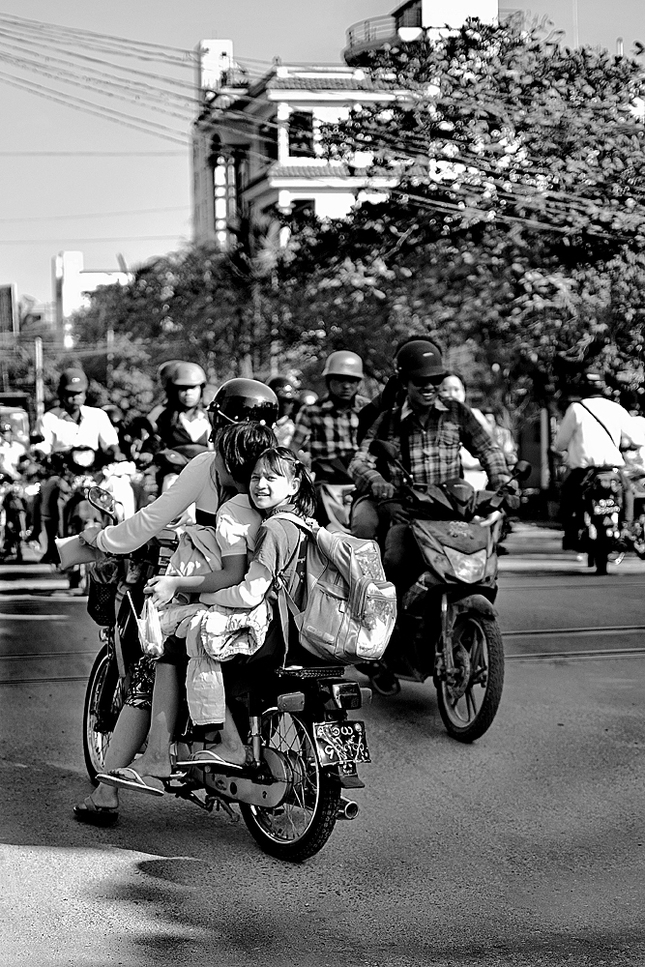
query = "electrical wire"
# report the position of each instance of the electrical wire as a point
(87, 241)
(89, 107)
(51, 218)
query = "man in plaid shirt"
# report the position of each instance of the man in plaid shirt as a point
(328, 429)
(427, 433)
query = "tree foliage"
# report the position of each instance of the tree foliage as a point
(516, 213)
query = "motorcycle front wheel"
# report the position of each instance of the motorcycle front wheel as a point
(103, 701)
(469, 704)
(302, 824)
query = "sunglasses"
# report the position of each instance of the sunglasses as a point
(427, 381)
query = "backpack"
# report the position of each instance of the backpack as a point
(350, 607)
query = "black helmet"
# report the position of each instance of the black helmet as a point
(420, 359)
(283, 388)
(243, 400)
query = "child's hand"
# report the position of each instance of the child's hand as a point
(161, 589)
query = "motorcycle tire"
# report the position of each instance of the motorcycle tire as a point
(468, 710)
(103, 702)
(302, 824)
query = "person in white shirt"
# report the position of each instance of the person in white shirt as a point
(69, 424)
(593, 433)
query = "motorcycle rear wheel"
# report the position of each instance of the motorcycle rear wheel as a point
(468, 710)
(103, 702)
(302, 824)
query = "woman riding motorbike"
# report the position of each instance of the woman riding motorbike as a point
(237, 400)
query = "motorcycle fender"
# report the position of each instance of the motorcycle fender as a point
(475, 602)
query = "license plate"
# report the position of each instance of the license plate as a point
(339, 742)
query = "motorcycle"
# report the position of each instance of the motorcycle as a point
(80, 470)
(304, 750)
(447, 628)
(602, 501)
(13, 519)
(334, 490)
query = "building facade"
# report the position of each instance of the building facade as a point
(257, 144)
(72, 283)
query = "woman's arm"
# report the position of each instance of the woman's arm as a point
(163, 589)
(250, 592)
(194, 479)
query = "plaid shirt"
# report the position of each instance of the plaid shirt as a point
(325, 430)
(433, 450)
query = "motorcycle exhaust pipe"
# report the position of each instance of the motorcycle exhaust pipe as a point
(347, 809)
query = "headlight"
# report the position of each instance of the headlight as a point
(467, 567)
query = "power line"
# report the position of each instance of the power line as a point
(92, 154)
(51, 218)
(82, 105)
(87, 241)
(140, 49)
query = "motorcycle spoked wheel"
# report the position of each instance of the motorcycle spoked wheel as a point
(468, 709)
(302, 824)
(103, 702)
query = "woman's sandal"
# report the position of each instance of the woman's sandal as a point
(88, 812)
(129, 779)
(206, 757)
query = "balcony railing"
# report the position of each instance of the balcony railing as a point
(370, 33)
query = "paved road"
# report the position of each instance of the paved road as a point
(523, 849)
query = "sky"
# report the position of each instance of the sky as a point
(75, 180)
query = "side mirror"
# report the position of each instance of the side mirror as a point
(103, 501)
(522, 470)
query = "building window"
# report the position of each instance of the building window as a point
(302, 207)
(409, 16)
(269, 140)
(301, 134)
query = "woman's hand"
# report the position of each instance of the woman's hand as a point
(91, 532)
(161, 589)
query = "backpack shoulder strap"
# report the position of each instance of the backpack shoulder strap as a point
(598, 420)
(285, 601)
(304, 523)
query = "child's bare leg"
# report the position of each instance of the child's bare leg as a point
(129, 734)
(230, 747)
(166, 695)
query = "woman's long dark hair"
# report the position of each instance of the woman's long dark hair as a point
(241, 445)
(283, 461)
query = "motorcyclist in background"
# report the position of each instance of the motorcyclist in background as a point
(183, 420)
(426, 432)
(288, 401)
(593, 433)
(69, 424)
(11, 450)
(181, 424)
(328, 429)
(326, 433)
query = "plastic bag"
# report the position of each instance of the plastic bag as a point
(149, 628)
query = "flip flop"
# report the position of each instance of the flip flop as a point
(129, 779)
(206, 757)
(88, 812)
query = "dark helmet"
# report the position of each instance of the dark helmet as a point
(183, 374)
(420, 359)
(72, 380)
(344, 363)
(243, 400)
(283, 388)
